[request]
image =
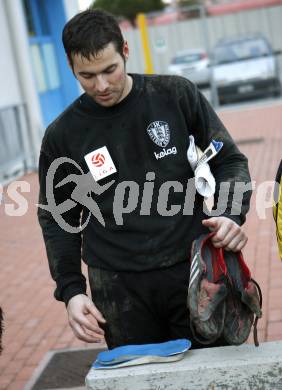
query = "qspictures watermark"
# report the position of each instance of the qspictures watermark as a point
(128, 196)
(14, 203)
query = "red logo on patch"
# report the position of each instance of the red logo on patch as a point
(98, 159)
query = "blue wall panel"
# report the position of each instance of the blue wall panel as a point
(57, 19)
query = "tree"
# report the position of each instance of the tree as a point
(128, 8)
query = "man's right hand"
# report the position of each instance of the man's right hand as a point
(84, 319)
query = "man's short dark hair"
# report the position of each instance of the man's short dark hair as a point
(91, 31)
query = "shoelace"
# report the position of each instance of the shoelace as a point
(257, 318)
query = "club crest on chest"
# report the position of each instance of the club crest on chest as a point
(159, 133)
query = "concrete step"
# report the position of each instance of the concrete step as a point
(242, 368)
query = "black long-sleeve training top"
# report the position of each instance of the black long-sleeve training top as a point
(146, 136)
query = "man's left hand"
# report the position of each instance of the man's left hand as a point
(228, 234)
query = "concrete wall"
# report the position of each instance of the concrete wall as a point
(71, 8)
(18, 99)
(10, 94)
(223, 368)
(21, 122)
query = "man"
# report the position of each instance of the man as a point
(138, 259)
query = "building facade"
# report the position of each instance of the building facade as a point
(36, 82)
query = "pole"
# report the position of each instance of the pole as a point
(141, 21)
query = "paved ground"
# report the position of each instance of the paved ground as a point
(36, 323)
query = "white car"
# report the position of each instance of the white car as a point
(193, 64)
(245, 68)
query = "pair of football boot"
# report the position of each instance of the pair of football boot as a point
(223, 299)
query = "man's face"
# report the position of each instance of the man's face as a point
(103, 77)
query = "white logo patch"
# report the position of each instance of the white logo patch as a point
(159, 133)
(100, 163)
